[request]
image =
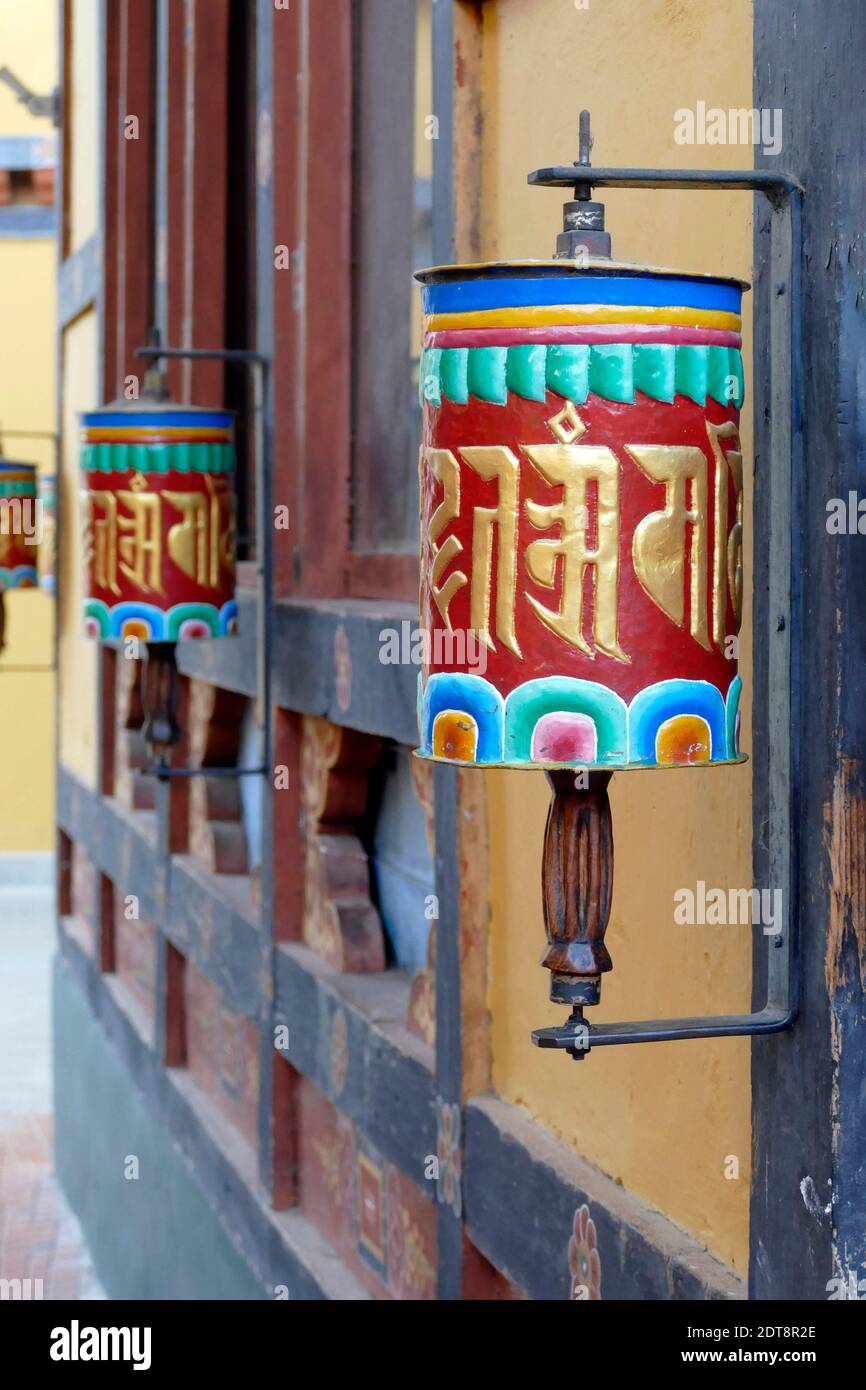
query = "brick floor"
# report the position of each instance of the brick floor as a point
(39, 1236)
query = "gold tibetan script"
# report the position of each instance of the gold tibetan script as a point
(728, 548)
(123, 535)
(489, 463)
(669, 546)
(100, 538)
(659, 543)
(446, 470)
(573, 467)
(497, 462)
(201, 544)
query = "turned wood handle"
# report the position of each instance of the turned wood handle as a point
(577, 883)
(160, 695)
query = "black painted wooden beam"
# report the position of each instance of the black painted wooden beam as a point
(192, 907)
(521, 1190)
(370, 693)
(808, 1211)
(280, 1248)
(265, 238)
(387, 1090)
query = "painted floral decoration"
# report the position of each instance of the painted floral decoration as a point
(584, 1261)
(342, 668)
(339, 1051)
(449, 1187)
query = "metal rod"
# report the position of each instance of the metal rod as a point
(775, 186)
(28, 434)
(204, 354)
(166, 772)
(767, 1020)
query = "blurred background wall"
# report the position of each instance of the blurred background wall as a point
(28, 153)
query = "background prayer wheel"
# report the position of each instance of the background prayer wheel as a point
(47, 486)
(159, 538)
(159, 521)
(19, 527)
(19, 531)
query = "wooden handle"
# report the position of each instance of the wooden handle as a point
(160, 694)
(577, 884)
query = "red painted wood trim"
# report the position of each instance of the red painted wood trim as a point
(108, 726)
(110, 151)
(383, 576)
(135, 185)
(196, 215)
(289, 200)
(174, 1036)
(288, 868)
(107, 953)
(176, 188)
(323, 520)
(206, 150)
(285, 1179)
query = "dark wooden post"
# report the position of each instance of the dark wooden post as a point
(808, 1208)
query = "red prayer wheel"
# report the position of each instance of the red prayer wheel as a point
(581, 515)
(581, 497)
(19, 525)
(159, 521)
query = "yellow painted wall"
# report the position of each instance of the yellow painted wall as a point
(28, 45)
(77, 655)
(83, 115)
(27, 385)
(80, 390)
(662, 1118)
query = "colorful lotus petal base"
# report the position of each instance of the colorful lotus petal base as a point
(559, 721)
(183, 622)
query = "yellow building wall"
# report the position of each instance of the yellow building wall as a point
(28, 36)
(27, 402)
(80, 390)
(665, 1119)
(83, 117)
(77, 654)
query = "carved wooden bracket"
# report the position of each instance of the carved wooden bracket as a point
(216, 831)
(340, 922)
(421, 1014)
(131, 786)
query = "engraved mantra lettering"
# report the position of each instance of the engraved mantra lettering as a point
(669, 545)
(123, 535)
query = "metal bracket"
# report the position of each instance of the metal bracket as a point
(37, 103)
(784, 196)
(258, 366)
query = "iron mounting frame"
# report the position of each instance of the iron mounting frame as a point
(784, 196)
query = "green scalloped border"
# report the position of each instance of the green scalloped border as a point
(158, 458)
(614, 371)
